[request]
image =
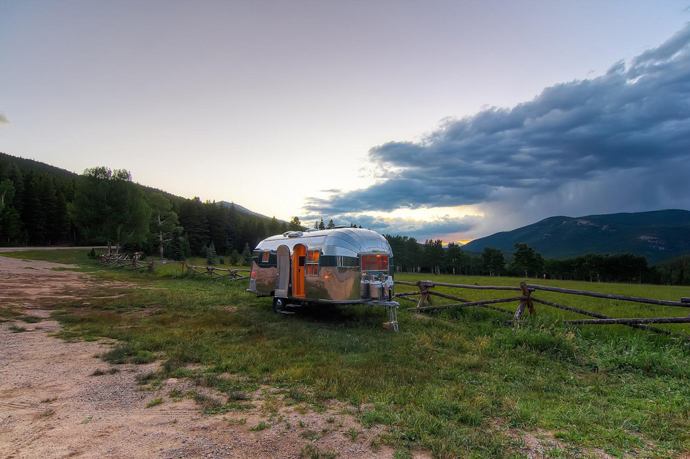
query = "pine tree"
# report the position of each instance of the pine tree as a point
(246, 255)
(211, 256)
(295, 224)
(33, 213)
(331, 225)
(17, 178)
(176, 249)
(193, 219)
(321, 225)
(6, 193)
(50, 208)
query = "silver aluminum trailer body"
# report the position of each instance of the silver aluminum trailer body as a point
(327, 266)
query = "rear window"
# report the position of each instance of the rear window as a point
(375, 262)
(264, 258)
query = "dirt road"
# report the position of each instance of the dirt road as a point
(58, 399)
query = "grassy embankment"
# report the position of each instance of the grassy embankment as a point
(461, 383)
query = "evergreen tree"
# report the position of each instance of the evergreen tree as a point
(526, 261)
(295, 224)
(193, 219)
(6, 194)
(235, 258)
(493, 261)
(273, 227)
(211, 256)
(331, 225)
(246, 255)
(17, 178)
(109, 208)
(454, 258)
(10, 221)
(33, 213)
(321, 225)
(176, 248)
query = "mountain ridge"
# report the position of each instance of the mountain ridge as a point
(657, 235)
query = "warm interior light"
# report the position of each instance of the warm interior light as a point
(376, 262)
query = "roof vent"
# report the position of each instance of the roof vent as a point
(292, 234)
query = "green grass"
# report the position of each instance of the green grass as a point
(67, 256)
(453, 383)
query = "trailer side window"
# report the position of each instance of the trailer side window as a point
(375, 262)
(347, 262)
(313, 262)
(265, 256)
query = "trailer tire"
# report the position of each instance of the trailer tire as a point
(278, 304)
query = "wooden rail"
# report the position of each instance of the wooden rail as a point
(526, 301)
(610, 296)
(134, 262)
(211, 271)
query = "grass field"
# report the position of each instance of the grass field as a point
(460, 383)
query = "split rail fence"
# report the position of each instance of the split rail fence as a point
(526, 300)
(524, 296)
(216, 272)
(135, 263)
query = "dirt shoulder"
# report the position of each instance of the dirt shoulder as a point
(58, 399)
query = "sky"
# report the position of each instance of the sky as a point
(435, 119)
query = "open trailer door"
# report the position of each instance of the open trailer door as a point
(283, 262)
(299, 256)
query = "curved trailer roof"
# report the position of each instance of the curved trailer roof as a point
(349, 242)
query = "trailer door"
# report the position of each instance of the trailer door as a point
(299, 255)
(283, 263)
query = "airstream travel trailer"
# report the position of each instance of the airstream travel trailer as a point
(336, 266)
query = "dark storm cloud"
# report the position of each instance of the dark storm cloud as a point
(619, 140)
(420, 230)
(395, 225)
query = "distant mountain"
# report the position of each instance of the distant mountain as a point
(657, 235)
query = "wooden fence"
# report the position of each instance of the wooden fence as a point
(135, 263)
(126, 261)
(216, 272)
(526, 300)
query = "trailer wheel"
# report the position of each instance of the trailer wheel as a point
(278, 304)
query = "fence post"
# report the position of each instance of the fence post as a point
(424, 296)
(525, 302)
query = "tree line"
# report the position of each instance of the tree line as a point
(433, 257)
(43, 205)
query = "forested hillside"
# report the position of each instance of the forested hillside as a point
(658, 235)
(45, 205)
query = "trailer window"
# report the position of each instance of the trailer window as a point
(347, 262)
(313, 262)
(375, 263)
(265, 257)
